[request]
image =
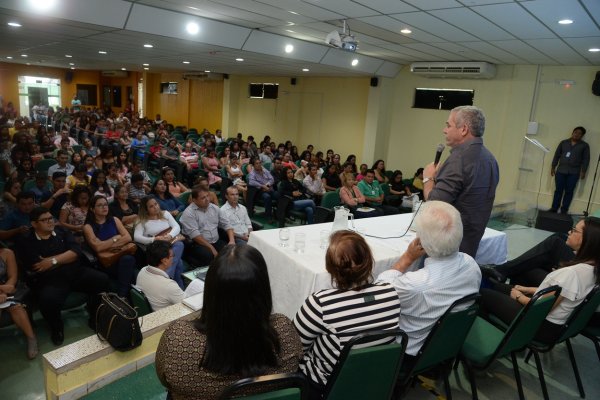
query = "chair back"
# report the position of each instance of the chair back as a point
(140, 301)
(368, 372)
(184, 197)
(43, 165)
(331, 199)
(581, 315)
(526, 324)
(386, 189)
(292, 386)
(448, 334)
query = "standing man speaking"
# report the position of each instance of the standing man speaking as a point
(572, 157)
(468, 178)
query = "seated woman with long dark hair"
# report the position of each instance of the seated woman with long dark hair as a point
(329, 318)
(293, 188)
(236, 336)
(167, 201)
(576, 278)
(104, 232)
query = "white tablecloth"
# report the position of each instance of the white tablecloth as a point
(295, 276)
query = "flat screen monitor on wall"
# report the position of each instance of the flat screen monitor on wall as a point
(442, 99)
(168, 87)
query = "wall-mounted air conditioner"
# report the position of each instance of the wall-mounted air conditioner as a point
(473, 70)
(114, 74)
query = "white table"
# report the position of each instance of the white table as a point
(295, 276)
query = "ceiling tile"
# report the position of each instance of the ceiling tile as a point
(473, 23)
(558, 50)
(433, 4)
(433, 25)
(395, 26)
(524, 51)
(347, 8)
(267, 43)
(516, 20)
(387, 6)
(493, 51)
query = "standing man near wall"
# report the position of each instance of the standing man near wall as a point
(572, 157)
(468, 178)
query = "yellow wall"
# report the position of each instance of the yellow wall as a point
(9, 86)
(197, 104)
(325, 112)
(507, 101)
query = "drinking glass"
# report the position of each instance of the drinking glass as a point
(300, 242)
(284, 236)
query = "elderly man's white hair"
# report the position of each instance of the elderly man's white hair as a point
(440, 228)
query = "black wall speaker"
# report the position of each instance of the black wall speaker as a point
(293, 81)
(374, 81)
(225, 76)
(69, 76)
(596, 84)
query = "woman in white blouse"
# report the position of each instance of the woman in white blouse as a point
(156, 224)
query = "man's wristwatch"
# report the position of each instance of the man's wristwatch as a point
(425, 180)
(54, 261)
(114, 240)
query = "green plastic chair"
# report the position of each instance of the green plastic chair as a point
(140, 301)
(331, 199)
(486, 342)
(368, 372)
(43, 165)
(292, 386)
(576, 323)
(593, 333)
(184, 197)
(445, 340)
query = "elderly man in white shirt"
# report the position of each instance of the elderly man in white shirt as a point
(447, 275)
(153, 280)
(200, 222)
(237, 215)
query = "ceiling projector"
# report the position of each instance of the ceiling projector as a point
(342, 40)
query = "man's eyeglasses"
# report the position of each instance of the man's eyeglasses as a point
(46, 220)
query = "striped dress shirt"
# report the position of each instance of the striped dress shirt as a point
(328, 319)
(427, 293)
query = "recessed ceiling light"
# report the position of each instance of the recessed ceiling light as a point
(24, 55)
(146, 65)
(207, 71)
(305, 69)
(123, 69)
(192, 28)
(68, 55)
(293, 12)
(146, 68)
(148, 45)
(565, 21)
(72, 67)
(354, 62)
(289, 30)
(289, 48)
(102, 52)
(405, 31)
(71, 64)
(290, 23)
(27, 63)
(594, 50)
(15, 24)
(192, 8)
(9, 57)
(239, 59)
(185, 62)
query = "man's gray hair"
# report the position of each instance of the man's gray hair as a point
(470, 116)
(440, 228)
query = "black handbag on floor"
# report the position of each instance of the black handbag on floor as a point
(117, 323)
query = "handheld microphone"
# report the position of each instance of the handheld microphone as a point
(438, 153)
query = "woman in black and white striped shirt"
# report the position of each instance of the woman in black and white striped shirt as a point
(328, 319)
